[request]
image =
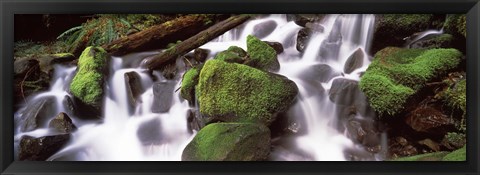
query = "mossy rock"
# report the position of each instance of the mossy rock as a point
(234, 92)
(395, 74)
(229, 56)
(87, 85)
(189, 81)
(458, 155)
(436, 156)
(456, 24)
(229, 142)
(261, 55)
(391, 29)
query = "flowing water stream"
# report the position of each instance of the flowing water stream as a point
(140, 134)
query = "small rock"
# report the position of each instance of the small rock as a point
(429, 120)
(22, 66)
(275, 45)
(315, 27)
(430, 144)
(303, 37)
(163, 96)
(353, 62)
(62, 123)
(39, 149)
(150, 132)
(319, 72)
(264, 29)
(37, 114)
(134, 89)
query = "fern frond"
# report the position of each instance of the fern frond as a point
(70, 31)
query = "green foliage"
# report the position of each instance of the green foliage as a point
(97, 31)
(454, 137)
(458, 155)
(455, 96)
(436, 156)
(229, 141)
(144, 21)
(33, 49)
(403, 24)
(404, 71)
(242, 93)
(189, 81)
(262, 55)
(456, 24)
(87, 85)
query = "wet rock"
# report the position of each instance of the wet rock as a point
(319, 72)
(39, 149)
(134, 89)
(363, 132)
(346, 92)
(264, 29)
(303, 37)
(150, 132)
(427, 119)
(37, 114)
(200, 55)
(163, 96)
(22, 65)
(440, 41)
(62, 123)
(275, 45)
(330, 47)
(229, 142)
(315, 27)
(355, 61)
(303, 19)
(189, 81)
(288, 123)
(69, 105)
(194, 121)
(401, 149)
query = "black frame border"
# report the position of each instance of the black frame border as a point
(10, 7)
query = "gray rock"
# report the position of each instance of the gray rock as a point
(264, 29)
(62, 123)
(134, 89)
(39, 149)
(163, 96)
(353, 62)
(37, 114)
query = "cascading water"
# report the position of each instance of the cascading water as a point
(128, 134)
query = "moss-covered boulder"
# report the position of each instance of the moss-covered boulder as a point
(87, 85)
(392, 29)
(456, 24)
(395, 74)
(458, 155)
(229, 142)
(232, 55)
(234, 92)
(261, 55)
(189, 81)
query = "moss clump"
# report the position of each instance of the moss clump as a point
(237, 50)
(405, 24)
(405, 71)
(262, 55)
(456, 24)
(87, 85)
(229, 56)
(436, 156)
(189, 81)
(458, 155)
(239, 93)
(456, 96)
(229, 141)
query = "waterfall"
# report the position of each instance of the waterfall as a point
(141, 134)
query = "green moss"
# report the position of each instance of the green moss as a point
(189, 81)
(235, 92)
(456, 24)
(262, 55)
(404, 24)
(407, 71)
(456, 96)
(454, 137)
(87, 85)
(229, 141)
(436, 156)
(237, 50)
(458, 155)
(229, 56)
(62, 55)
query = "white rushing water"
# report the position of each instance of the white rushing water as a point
(143, 135)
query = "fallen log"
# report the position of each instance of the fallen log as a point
(195, 41)
(159, 36)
